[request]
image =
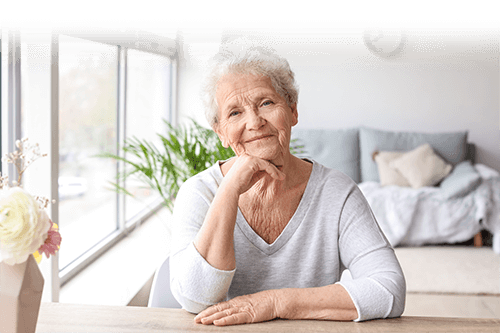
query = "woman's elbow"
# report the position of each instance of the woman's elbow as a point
(193, 307)
(188, 304)
(394, 285)
(399, 294)
(398, 307)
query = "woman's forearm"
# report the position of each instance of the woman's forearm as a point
(215, 239)
(330, 302)
(327, 303)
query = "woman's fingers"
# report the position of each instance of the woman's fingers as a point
(249, 169)
(214, 312)
(217, 316)
(274, 172)
(227, 316)
(234, 319)
(243, 309)
(209, 312)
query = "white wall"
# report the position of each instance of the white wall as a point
(442, 81)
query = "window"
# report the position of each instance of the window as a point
(88, 77)
(148, 98)
(107, 87)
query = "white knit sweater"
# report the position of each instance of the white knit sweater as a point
(332, 229)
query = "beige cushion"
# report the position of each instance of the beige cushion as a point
(387, 174)
(421, 166)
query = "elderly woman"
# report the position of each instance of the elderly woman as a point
(265, 234)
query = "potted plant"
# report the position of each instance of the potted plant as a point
(185, 150)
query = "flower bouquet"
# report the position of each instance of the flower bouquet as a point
(26, 232)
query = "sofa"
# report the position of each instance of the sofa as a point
(453, 203)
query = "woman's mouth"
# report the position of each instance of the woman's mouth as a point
(258, 138)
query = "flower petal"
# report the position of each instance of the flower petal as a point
(38, 256)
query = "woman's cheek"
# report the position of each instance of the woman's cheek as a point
(283, 139)
(238, 149)
(236, 145)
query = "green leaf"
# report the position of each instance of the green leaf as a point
(182, 152)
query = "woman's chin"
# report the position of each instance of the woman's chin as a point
(260, 153)
(275, 158)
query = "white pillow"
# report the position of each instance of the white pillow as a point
(421, 166)
(387, 174)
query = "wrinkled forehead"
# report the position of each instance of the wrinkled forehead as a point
(233, 86)
(237, 81)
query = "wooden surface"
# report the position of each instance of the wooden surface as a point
(55, 317)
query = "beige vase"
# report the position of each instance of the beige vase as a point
(21, 287)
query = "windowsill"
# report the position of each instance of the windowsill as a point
(118, 275)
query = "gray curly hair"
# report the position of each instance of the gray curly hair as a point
(254, 60)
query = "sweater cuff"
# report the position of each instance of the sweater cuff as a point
(371, 299)
(200, 284)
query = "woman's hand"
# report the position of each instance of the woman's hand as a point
(245, 309)
(247, 170)
(331, 302)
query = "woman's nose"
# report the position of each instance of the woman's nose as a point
(255, 121)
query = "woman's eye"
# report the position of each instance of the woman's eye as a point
(234, 113)
(267, 103)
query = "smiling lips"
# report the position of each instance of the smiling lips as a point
(257, 138)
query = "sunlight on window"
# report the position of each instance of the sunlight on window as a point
(88, 126)
(148, 98)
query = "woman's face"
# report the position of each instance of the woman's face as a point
(253, 118)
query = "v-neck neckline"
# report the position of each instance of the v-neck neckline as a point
(291, 226)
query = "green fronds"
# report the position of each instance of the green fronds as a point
(182, 152)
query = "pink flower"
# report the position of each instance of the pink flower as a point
(52, 242)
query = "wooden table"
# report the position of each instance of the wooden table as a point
(55, 317)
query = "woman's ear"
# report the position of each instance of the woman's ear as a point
(295, 114)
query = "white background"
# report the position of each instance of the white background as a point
(442, 81)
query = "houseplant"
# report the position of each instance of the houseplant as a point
(185, 150)
(26, 232)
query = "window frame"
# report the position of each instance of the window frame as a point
(11, 110)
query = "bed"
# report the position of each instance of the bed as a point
(463, 200)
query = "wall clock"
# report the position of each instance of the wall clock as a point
(385, 43)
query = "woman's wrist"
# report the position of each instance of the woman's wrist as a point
(330, 302)
(228, 190)
(282, 302)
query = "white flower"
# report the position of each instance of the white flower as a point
(23, 225)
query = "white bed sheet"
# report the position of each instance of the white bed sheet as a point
(413, 217)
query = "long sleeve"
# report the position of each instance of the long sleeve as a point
(332, 229)
(378, 287)
(194, 282)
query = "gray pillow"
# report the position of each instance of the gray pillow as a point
(452, 147)
(461, 181)
(336, 149)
